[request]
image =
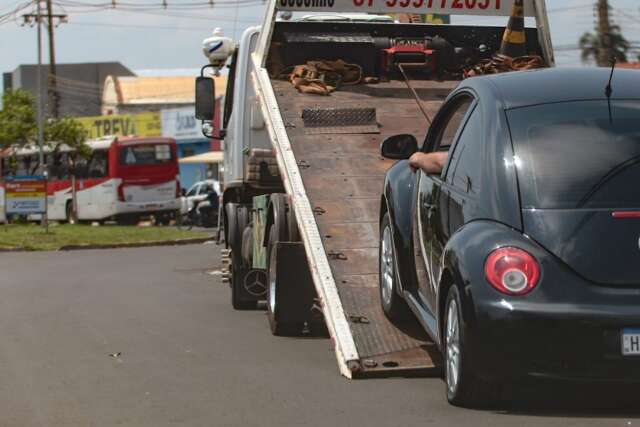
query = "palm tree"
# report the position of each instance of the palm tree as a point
(591, 44)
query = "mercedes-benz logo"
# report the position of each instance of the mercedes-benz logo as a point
(255, 282)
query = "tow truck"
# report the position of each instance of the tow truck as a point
(303, 173)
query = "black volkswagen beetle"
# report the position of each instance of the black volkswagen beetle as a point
(522, 258)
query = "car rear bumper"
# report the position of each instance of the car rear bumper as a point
(513, 338)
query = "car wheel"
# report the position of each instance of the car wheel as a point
(392, 303)
(463, 387)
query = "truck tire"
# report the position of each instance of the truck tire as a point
(278, 208)
(275, 306)
(292, 223)
(238, 219)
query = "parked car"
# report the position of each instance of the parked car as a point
(198, 193)
(522, 259)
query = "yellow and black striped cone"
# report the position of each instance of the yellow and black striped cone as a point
(514, 39)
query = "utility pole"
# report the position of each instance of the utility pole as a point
(39, 89)
(53, 20)
(53, 93)
(43, 168)
(604, 34)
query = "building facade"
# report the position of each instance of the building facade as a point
(181, 124)
(79, 87)
(130, 95)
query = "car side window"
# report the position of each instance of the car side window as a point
(206, 188)
(465, 170)
(454, 121)
(193, 191)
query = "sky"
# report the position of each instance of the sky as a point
(171, 38)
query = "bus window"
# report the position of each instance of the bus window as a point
(58, 169)
(23, 165)
(32, 164)
(10, 166)
(99, 164)
(148, 154)
(82, 167)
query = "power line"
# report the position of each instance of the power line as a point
(50, 18)
(153, 27)
(197, 5)
(566, 9)
(13, 14)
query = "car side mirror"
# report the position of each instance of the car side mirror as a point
(205, 98)
(399, 147)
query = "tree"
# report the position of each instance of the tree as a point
(18, 121)
(19, 127)
(614, 41)
(68, 134)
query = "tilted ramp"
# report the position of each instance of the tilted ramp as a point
(343, 175)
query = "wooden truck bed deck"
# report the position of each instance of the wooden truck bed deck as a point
(343, 175)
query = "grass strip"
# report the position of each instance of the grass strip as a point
(33, 237)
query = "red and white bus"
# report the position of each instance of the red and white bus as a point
(124, 178)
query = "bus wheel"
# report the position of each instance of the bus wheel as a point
(128, 220)
(163, 219)
(70, 217)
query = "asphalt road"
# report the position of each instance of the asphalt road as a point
(146, 337)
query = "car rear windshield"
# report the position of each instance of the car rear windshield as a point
(148, 154)
(578, 155)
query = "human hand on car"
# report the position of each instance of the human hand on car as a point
(430, 163)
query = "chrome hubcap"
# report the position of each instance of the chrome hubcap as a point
(386, 266)
(452, 331)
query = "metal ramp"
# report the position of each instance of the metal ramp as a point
(343, 175)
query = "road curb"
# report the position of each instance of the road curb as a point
(179, 242)
(9, 250)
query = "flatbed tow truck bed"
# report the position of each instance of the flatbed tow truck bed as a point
(343, 175)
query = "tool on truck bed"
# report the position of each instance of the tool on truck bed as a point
(513, 54)
(323, 77)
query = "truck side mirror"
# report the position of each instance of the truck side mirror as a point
(399, 147)
(205, 98)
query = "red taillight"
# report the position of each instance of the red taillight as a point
(121, 193)
(512, 271)
(178, 189)
(625, 214)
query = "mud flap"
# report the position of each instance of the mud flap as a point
(295, 292)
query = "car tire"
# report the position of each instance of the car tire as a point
(393, 305)
(274, 306)
(463, 387)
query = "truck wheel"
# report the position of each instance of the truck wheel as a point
(238, 221)
(292, 223)
(394, 307)
(464, 388)
(275, 307)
